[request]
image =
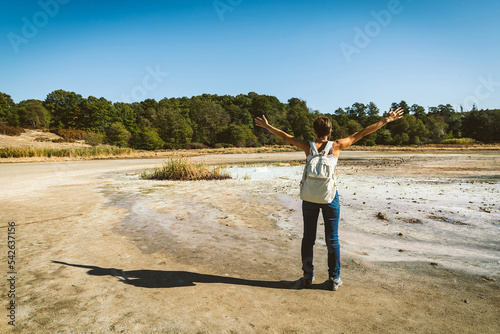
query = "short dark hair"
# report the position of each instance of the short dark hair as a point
(322, 126)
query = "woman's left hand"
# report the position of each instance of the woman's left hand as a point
(394, 114)
(262, 122)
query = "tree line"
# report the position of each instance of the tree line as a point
(225, 121)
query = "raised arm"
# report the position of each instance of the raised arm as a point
(391, 116)
(302, 144)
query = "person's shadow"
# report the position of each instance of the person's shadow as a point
(170, 279)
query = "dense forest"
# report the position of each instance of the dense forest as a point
(226, 121)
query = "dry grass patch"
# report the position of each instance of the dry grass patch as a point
(86, 152)
(183, 169)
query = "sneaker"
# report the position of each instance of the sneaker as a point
(307, 282)
(335, 283)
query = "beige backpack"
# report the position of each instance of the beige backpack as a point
(318, 183)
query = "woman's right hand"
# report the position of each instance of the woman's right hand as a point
(262, 122)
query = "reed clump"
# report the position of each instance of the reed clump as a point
(183, 169)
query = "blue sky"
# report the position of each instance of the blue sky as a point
(328, 53)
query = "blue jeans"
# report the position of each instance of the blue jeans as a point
(331, 217)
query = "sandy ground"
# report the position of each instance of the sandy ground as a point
(37, 138)
(99, 250)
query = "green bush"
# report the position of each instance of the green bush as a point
(148, 139)
(95, 138)
(460, 141)
(118, 135)
(33, 114)
(238, 135)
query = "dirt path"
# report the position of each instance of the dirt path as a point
(100, 251)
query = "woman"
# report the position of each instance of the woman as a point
(330, 211)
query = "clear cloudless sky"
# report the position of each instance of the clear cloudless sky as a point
(328, 53)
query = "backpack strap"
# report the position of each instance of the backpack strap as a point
(327, 149)
(314, 150)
